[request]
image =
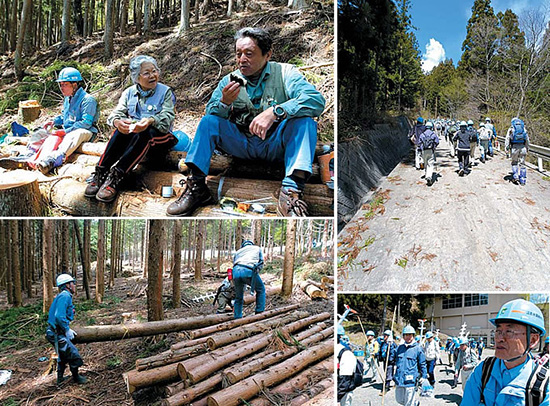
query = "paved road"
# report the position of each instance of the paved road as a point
(369, 394)
(479, 231)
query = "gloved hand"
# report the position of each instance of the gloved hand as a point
(70, 334)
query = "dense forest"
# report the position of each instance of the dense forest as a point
(504, 69)
(34, 251)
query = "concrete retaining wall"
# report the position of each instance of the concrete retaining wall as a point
(363, 161)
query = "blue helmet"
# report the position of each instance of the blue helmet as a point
(417, 338)
(69, 75)
(429, 334)
(246, 242)
(463, 340)
(523, 312)
(370, 333)
(420, 120)
(409, 330)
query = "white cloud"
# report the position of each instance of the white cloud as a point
(435, 53)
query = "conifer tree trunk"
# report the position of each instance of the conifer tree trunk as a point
(288, 265)
(86, 21)
(100, 268)
(199, 249)
(91, 22)
(138, 15)
(15, 266)
(124, 17)
(156, 263)
(145, 253)
(77, 17)
(146, 17)
(239, 234)
(184, 17)
(65, 243)
(66, 23)
(325, 239)
(189, 242)
(24, 25)
(176, 270)
(86, 274)
(109, 29)
(13, 25)
(220, 245)
(47, 281)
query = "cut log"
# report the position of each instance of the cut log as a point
(200, 367)
(328, 279)
(92, 148)
(20, 195)
(235, 323)
(288, 392)
(169, 357)
(313, 291)
(236, 374)
(187, 395)
(325, 398)
(248, 388)
(117, 332)
(140, 379)
(225, 337)
(269, 291)
(320, 285)
(321, 387)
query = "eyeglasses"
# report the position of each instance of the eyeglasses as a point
(149, 73)
(508, 333)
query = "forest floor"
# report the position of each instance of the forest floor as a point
(23, 342)
(192, 64)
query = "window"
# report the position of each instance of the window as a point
(475, 300)
(452, 301)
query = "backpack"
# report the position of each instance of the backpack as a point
(518, 132)
(428, 142)
(535, 390)
(473, 135)
(357, 374)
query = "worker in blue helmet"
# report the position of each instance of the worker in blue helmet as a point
(431, 350)
(517, 143)
(449, 349)
(51, 145)
(248, 261)
(511, 377)
(371, 352)
(59, 334)
(466, 361)
(410, 365)
(386, 358)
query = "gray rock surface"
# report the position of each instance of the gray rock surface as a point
(479, 232)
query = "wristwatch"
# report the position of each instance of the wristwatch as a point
(279, 112)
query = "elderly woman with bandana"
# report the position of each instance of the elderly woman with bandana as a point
(142, 119)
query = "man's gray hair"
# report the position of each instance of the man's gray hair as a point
(259, 35)
(135, 65)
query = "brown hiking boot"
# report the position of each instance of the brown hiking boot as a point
(98, 177)
(13, 163)
(195, 195)
(291, 203)
(109, 190)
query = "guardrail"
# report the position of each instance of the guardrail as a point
(542, 153)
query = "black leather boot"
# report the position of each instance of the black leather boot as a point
(291, 204)
(194, 196)
(109, 190)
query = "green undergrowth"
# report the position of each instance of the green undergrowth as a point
(20, 326)
(41, 85)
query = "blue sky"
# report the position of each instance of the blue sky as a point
(441, 25)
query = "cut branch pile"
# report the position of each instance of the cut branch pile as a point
(238, 360)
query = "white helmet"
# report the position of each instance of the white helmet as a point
(463, 124)
(488, 119)
(63, 279)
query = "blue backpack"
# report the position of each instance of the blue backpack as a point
(519, 135)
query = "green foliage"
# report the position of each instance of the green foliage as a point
(20, 326)
(402, 262)
(113, 362)
(152, 348)
(10, 402)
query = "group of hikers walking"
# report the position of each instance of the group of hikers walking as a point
(262, 111)
(464, 140)
(513, 376)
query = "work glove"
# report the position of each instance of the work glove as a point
(70, 334)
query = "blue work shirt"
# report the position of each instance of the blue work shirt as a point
(79, 111)
(299, 98)
(410, 363)
(61, 312)
(249, 256)
(506, 387)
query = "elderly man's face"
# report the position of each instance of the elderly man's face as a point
(510, 340)
(249, 57)
(148, 76)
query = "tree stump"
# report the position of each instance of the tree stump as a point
(20, 195)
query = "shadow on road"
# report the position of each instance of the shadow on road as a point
(450, 398)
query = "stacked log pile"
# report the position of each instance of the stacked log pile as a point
(284, 353)
(228, 177)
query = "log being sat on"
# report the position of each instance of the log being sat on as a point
(268, 116)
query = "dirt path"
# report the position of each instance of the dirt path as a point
(475, 232)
